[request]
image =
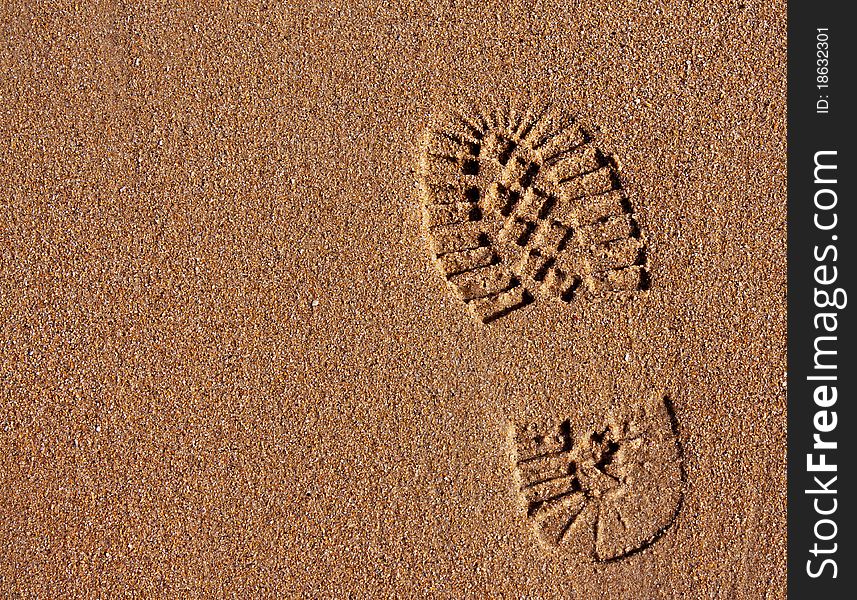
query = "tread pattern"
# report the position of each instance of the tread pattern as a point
(617, 489)
(521, 206)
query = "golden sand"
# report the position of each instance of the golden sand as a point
(237, 362)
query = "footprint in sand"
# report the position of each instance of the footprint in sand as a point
(612, 491)
(521, 206)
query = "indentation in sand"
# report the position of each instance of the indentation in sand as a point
(615, 490)
(521, 206)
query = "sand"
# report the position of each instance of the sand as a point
(232, 362)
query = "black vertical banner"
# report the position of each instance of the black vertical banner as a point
(822, 430)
